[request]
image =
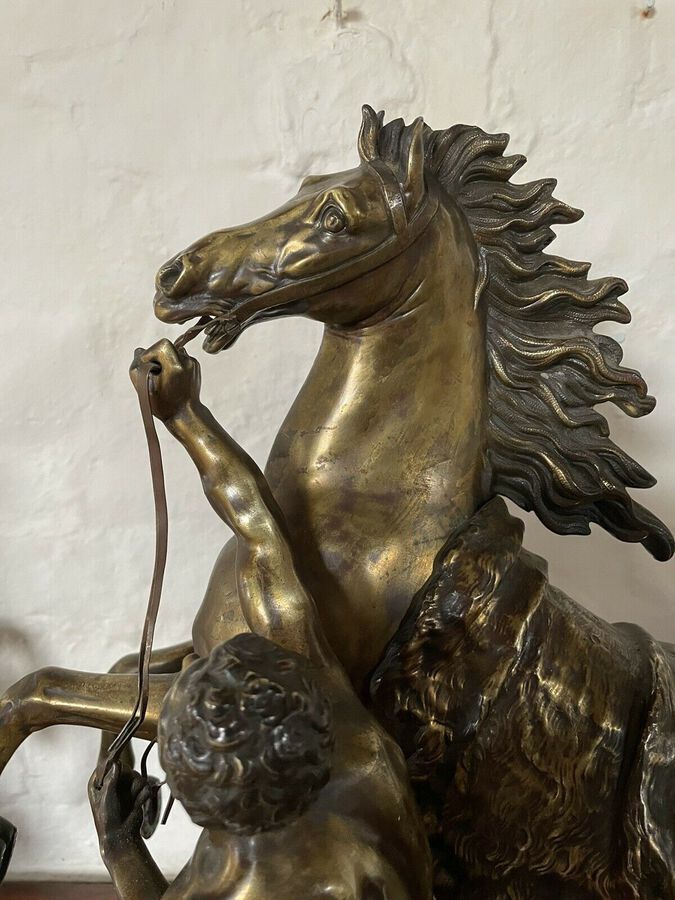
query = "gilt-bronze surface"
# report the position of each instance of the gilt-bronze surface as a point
(299, 791)
(459, 362)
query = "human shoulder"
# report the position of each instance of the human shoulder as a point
(217, 869)
(324, 856)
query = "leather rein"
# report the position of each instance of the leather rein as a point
(137, 717)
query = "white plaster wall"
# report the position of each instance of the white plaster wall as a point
(129, 129)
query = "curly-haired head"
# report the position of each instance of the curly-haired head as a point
(245, 737)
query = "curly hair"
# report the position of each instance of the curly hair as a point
(245, 737)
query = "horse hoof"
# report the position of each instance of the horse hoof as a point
(7, 839)
(152, 809)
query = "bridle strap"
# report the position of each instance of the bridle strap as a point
(161, 544)
(406, 232)
(393, 193)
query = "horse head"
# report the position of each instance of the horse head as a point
(315, 255)
(518, 323)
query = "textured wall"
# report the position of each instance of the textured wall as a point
(131, 128)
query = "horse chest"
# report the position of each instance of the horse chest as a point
(361, 565)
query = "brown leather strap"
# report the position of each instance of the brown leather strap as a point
(393, 193)
(161, 544)
(137, 716)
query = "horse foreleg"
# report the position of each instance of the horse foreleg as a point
(164, 661)
(53, 696)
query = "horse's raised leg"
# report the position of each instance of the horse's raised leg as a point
(164, 661)
(65, 697)
(54, 696)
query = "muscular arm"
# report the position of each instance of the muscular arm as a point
(274, 600)
(133, 871)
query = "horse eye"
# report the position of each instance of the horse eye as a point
(333, 220)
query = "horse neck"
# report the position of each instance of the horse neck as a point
(390, 422)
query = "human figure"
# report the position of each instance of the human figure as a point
(300, 792)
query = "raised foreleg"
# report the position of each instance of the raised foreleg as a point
(54, 696)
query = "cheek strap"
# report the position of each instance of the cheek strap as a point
(406, 232)
(137, 716)
(393, 193)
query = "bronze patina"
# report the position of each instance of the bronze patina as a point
(300, 792)
(458, 363)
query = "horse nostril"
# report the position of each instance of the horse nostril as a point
(169, 276)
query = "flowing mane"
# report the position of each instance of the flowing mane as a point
(549, 450)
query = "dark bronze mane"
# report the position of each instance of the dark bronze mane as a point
(549, 448)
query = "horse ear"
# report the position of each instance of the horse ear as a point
(370, 128)
(411, 173)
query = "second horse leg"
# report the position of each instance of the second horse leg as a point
(54, 696)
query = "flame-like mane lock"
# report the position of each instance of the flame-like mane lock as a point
(549, 449)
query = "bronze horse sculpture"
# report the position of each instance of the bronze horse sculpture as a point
(458, 363)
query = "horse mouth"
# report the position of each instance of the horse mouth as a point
(222, 329)
(221, 333)
(227, 318)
